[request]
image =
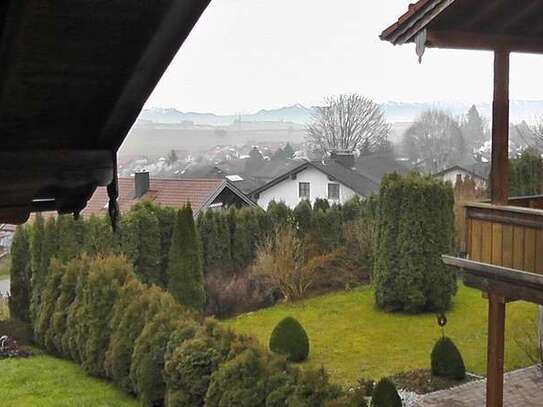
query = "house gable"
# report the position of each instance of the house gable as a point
(286, 189)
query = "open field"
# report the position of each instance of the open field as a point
(351, 338)
(45, 381)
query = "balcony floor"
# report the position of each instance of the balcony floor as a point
(523, 388)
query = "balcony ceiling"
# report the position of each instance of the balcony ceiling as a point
(73, 78)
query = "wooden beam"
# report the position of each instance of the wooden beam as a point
(493, 273)
(483, 42)
(495, 350)
(510, 291)
(500, 130)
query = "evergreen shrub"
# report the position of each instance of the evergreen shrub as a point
(415, 227)
(20, 276)
(54, 337)
(185, 271)
(127, 321)
(191, 358)
(447, 361)
(386, 395)
(289, 338)
(105, 277)
(149, 350)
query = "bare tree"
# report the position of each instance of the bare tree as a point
(348, 123)
(528, 135)
(434, 141)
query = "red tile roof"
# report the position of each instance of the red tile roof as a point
(173, 193)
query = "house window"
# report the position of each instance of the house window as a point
(333, 191)
(304, 190)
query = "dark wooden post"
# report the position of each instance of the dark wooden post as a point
(500, 129)
(499, 194)
(495, 351)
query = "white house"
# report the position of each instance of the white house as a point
(479, 174)
(315, 179)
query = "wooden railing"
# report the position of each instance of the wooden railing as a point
(509, 236)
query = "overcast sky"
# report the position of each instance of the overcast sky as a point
(245, 55)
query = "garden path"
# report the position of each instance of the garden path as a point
(523, 388)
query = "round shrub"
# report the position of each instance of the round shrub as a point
(386, 395)
(289, 338)
(447, 360)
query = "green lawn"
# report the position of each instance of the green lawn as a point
(44, 381)
(353, 339)
(5, 264)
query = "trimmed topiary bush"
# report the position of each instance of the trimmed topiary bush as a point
(289, 338)
(386, 395)
(447, 360)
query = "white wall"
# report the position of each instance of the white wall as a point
(451, 177)
(287, 190)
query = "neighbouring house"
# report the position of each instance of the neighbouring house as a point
(377, 165)
(203, 194)
(479, 173)
(333, 179)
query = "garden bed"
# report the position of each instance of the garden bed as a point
(421, 381)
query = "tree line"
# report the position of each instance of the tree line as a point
(204, 264)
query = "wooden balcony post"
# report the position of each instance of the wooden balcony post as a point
(495, 351)
(500, 129)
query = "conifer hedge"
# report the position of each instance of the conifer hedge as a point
(415, 227)
(227, 241)
(20, 276)
(95, 311)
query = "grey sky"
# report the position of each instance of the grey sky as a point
(249, 54)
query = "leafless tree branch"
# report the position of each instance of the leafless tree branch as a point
(348, 123)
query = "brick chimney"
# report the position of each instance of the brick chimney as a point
(141, 183)
(344, 158)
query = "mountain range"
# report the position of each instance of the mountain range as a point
(396, 112)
